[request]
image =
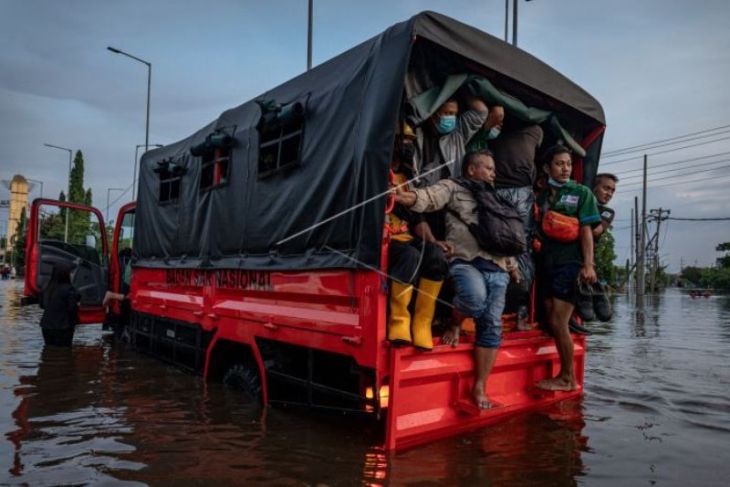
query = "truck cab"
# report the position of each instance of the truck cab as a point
(84, 247)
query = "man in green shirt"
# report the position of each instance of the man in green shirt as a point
(563, 263)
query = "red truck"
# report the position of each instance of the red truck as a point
(258, 250)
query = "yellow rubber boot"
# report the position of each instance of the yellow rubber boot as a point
(399, 324)
(428, 291)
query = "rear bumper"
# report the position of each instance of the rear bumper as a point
(430, 392)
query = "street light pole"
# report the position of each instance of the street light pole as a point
(108, 191)
(506, 20)
(514, 22)
(149, 87)
(309, 34)
(68, 196)
(136, 160)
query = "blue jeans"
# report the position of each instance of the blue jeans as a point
(480, 294)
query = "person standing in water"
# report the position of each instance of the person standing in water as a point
(60, 303)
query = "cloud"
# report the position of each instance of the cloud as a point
(659, 69)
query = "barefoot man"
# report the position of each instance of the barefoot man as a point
(480, 279)
(566, 254)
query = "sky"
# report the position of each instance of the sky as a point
(658, 67)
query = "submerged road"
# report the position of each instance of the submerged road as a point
(656, 411)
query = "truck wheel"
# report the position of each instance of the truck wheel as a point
(244, 378)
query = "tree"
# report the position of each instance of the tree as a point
(604, 256)
(712, 277)
(77, 194)
(79, 221)
(693, 275)
(724, 261)
(19, 244)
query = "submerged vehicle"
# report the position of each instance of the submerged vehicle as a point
(259, 249)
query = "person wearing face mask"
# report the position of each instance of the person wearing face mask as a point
(441, 145)
(414, 257)
(491, 129)
(568, 213)
(443, 137)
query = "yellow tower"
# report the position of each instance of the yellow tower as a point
(18, 205)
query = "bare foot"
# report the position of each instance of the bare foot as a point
(451, 335)
(481, 400)
(523, 326)
(556, 384)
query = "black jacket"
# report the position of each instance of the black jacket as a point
(60, 310)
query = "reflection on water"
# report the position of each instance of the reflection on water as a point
(655, 411)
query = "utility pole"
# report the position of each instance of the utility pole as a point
(658, 215)
(636, 243)
(630, 262)
(641, 263)
(636, 230)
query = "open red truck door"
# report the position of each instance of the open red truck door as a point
(120, 256)
(61, 233)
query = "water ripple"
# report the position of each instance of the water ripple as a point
(656, 411)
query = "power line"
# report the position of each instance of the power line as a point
(691, 166)
(649, 147)
(722, 219)
(636, 190)
(682, 175)
(666, 151)
(674, 163)
(643, 146)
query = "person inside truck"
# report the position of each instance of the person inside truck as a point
(443, 137)
(515, 150)
(491, 129)
(441, 145)
(480, 279)
(568, 213)
(413, 255)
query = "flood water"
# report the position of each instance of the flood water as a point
(656, 411)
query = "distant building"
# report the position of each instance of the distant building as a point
(17, 205)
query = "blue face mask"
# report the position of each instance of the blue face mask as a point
(447, 124)
(554, 183)
(493, 133)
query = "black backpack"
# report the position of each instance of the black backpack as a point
(499, 229)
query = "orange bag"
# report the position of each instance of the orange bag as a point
(557, 226)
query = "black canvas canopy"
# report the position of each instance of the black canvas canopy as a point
(323, 211)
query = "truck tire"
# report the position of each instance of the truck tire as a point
(244, 378)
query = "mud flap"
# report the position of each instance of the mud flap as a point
(430, 392)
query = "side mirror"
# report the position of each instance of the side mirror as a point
(91, 241)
